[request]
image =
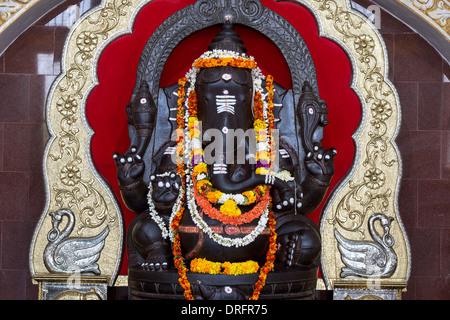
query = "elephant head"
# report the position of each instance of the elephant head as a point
(225, 96)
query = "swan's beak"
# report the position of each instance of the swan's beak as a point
(56, 219)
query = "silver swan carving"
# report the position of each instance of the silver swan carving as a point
(70, 255)
(369, 258)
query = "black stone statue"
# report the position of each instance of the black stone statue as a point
(225, 101)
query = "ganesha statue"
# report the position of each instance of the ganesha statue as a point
(224, 214)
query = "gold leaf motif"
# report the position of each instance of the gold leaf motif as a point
(77, 192)
(9, 7)
(77, 295)
(435, 12)
(366, 196)
(108, 18)
(366, 297)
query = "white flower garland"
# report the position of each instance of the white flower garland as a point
(257, 77)
(165, 231)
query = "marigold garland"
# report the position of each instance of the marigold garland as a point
(222, 62)
(270, 116)
(264, 126)
(230, 208)
(270, 258)
(234, 220)
(200, 265)
(177, 254)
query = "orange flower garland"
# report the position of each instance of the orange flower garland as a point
(200, 265)
(178, 257)
(270, 258)
(247, 217)
(270, 117)
(206, 189)
(222, 62)
(177, 254)
(263, 202)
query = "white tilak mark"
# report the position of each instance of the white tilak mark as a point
(175, 93)
(170, 150)
(173, 119)
(219, 168)
(284, 153)
(225, 103)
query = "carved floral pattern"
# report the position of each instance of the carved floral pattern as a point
(76, 189)
(10, 7)
(87, 41)
(367, 196)
(438, 11)
(371, 187)
(364, 45)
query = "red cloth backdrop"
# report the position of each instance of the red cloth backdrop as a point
(117, 66)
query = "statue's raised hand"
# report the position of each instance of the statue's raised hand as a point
(130, 167)
(286, 195)
(320, 162)
(165, 187)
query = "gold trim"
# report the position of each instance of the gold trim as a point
(356, 284)
(63, 278)
(434, 12)
(366, 297)
(320, 285)
(121, 281)
(372, 289)
(73, 182)
(43, 280)
(77, 295)
(372, 185)
(11, 10)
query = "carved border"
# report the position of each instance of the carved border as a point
(11, 9)
(434, 12)
(372, 185)
(72, 180)
(17, 13)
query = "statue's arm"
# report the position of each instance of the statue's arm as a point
(318, 162)
(130, 166)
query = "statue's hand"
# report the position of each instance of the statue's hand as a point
(286, 196)
(320, 162)
(130, 167)
(165, 188)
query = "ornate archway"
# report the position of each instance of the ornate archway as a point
(74, 181)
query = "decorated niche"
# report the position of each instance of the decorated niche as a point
(317, 210)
